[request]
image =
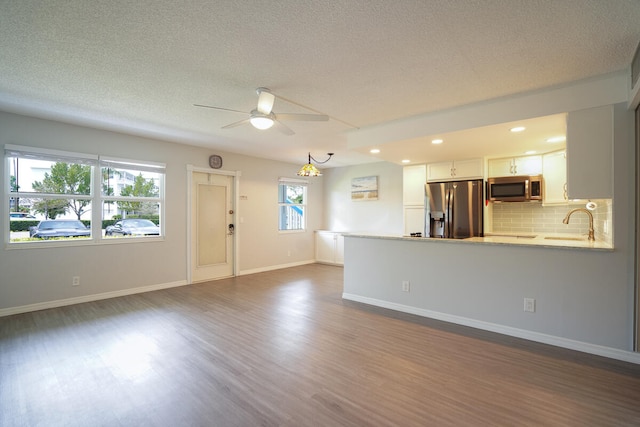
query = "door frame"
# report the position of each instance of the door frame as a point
(235, 196)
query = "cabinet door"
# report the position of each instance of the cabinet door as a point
(527, 165)
(468, 169)
(439, 171)
(500, 167)
(325, 247)
(554, 174)
(414, 220)
(413, 181)
(590, 153)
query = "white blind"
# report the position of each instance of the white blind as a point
(293, 181)
(114, 163)
(49, 155)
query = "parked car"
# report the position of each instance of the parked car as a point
(59, 228)
(14, 216)
(133, 227)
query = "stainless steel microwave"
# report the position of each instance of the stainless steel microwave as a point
(515, 188)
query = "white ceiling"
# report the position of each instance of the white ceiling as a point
(139, 67)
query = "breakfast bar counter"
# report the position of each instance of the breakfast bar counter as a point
(484, 282)
(551, 240)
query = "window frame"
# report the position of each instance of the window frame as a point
(298, 183)
(97, 199)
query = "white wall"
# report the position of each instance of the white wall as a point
(31, 276)
(383, 215)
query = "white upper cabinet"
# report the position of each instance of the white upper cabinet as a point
(590, 153)
(455, 170)
(525, 165)
(554, 173)
(413, 181)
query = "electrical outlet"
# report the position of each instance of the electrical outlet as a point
(75, 281)
(530, 305)
(406, 286)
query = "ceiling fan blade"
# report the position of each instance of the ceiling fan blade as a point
(219, 108)
(282, 128)
(234, 124)
(303, 117)
(265, 100)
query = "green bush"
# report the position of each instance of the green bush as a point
(22, 225)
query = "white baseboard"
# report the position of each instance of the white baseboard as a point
(274, 267)
(612, 353)
(88, 298)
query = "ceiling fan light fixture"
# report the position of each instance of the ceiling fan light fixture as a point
(265, 100)
(261, 121)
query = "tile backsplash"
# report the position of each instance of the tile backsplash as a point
(536, 218)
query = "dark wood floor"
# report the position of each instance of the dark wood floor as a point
(283, 349)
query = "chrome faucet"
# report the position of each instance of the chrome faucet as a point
(591, 232)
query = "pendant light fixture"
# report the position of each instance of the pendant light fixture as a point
(309, 169)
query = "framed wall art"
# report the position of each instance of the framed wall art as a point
(364, 188)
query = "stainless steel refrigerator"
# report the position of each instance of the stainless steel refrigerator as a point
(454, 209)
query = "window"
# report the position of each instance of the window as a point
(131, 198)
(292, 199)
(62, 196)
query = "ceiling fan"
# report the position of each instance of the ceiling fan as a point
(263, 116)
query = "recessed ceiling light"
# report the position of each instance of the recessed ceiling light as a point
(406, 161)
(437, 141)
(374, 151)
(530, 152)
(517, 129)
(557, 139)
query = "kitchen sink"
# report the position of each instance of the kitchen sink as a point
(578, 239)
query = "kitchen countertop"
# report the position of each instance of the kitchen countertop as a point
(551, 240)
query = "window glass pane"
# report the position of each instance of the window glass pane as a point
(131, 200)
(132, 227)
(48, 218)
(49, 177)
(130, 183)
(292, 194)
(291, 217)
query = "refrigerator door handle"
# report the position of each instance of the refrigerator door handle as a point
(449, 214)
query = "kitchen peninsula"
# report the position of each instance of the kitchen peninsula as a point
(483, 283)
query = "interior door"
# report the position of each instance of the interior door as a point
(212, 226)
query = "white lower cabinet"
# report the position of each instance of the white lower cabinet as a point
(329, 247)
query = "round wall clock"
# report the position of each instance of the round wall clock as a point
(215, 161)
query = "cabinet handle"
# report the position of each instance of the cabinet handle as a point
(564, 191)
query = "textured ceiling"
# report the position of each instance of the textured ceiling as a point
(140, 66)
